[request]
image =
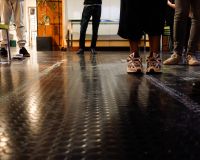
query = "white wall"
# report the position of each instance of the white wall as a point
(110, 9)
(27, 4)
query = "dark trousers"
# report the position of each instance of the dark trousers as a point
(93, 11)
(180, 25)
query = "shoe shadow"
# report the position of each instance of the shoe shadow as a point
(136, 74)
(153, 73)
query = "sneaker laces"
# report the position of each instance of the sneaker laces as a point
(132, 61)
(154, 61)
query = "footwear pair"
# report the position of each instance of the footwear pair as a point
(135, 64)
(3, 52)
(81, 51)
(23, 51)
(176, 59)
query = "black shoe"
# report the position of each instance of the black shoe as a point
(80, 51)
(3, 52)
(93, 51)
(24, 52)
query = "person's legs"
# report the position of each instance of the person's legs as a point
(194, 34)
(154, 23)
(180, 24)
(134, 60)
(180, 29)
(187, 35)
(18, 13)
(96, 15)
(195, 27)
(84, 24)
(154, 61)
(134, 47)
(154, 45)
(131, 28)
(6, 13)
(154, 27)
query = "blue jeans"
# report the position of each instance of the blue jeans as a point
(180, 25)
(93, 11)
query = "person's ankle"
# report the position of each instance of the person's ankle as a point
(80, 51)
(135, 54)
(93, 51)
(154, 54)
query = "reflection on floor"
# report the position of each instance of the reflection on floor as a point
(61, 106)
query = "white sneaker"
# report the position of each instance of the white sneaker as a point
(134, 64)
(153, 64)
(173, 60)
(192, 60)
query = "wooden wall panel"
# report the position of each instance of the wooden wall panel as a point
(49, 16)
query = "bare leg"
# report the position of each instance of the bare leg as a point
(134, 47)
(154, 45)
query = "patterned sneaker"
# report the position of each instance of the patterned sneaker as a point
(3, 52)
(174, 59)
(134, 64)
(192, 60)
(153, 64)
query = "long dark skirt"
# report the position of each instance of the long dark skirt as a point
(137, 17)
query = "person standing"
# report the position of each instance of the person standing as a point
(170, 21)
(133, 24)
(13, 8)
(182, 10)
(92, 8)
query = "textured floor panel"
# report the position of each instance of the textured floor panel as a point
(60, 106)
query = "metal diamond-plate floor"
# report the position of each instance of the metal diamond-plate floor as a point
(61, 106)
